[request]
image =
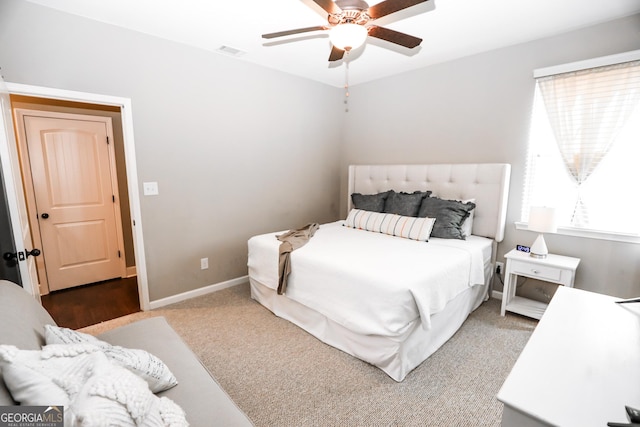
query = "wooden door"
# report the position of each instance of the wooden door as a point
(18, 216)
(76, 196)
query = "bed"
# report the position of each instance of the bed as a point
(389, 301)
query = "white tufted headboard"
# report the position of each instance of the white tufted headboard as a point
(488, 183)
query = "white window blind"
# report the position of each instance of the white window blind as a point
(584, 147)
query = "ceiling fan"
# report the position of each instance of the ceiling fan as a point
(349, 22)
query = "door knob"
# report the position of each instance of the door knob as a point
(8, 256)
(44, 215)
(33, 252)
(20, 256)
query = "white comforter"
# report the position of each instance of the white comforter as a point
(368, 282)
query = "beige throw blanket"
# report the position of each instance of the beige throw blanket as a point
(291, 240)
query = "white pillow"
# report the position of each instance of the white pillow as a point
(94, 391)
(394, 225)
(467, 224)
(35, 378)
(140, 362)
(115, 396)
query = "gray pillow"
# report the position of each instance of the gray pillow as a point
(369, 202)
(449, 215)
(405, 204)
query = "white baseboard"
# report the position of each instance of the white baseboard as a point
(197, 292)
(496, 295)
(131, 271)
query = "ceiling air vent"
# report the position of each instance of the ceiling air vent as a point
(231, 51)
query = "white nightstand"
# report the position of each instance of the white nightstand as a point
(554, 268)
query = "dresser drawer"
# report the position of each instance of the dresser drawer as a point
(542, 272)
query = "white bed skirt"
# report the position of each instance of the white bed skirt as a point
(396, 356)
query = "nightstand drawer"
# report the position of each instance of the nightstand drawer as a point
(536, 271)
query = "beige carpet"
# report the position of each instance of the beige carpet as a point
(282, 376)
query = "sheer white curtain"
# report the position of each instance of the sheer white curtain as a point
(586, 110)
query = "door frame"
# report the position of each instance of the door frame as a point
(14, 193)
(130, 161)
(19, 115)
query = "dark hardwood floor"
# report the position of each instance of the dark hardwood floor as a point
(90, 304)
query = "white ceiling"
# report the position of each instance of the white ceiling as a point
(449, 28)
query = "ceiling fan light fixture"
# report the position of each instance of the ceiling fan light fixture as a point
(348, 36)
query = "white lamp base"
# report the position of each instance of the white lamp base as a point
(539, 248)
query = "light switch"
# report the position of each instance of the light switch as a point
(150, 188)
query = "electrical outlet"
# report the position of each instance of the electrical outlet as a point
(500, 267)
(204, 263)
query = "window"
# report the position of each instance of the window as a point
(584, 147)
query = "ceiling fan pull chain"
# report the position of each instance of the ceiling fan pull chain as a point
(346, 81)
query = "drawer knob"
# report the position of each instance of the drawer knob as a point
(534, 271)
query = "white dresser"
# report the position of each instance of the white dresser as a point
(580, 367)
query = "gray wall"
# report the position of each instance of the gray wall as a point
(236, 149)
(477, 109)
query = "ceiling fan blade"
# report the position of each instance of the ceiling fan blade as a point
(388, 7)
(329, 6)
(297, 31)
(336, 54)
(394, 36)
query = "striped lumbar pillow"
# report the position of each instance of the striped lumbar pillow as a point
(395, 225)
